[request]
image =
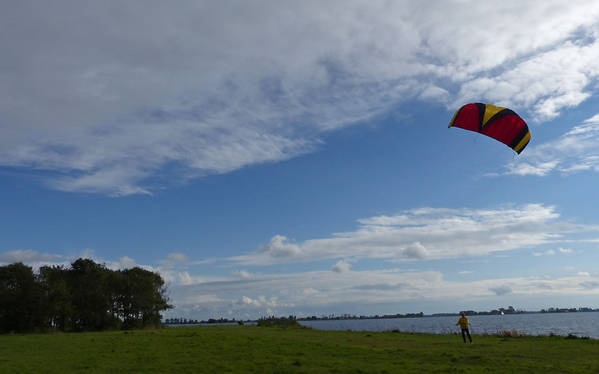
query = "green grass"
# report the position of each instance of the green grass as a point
(251, 349)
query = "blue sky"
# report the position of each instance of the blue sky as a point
(294, 157)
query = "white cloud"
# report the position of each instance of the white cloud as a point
(174, 258)
(259, 302)
(427, 233)
(244, 274)
(87, 253)
(590, 285)
(124, 262)
(280, 247)
(306, 293)
(549, 252)
(185, 278)
(547, 82)
(341, 267)
(162, 94)
(575, 151)
(501, 290)
(179, 260)
(28, 256)
(248, 301)
(37, 259)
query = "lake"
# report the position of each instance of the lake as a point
(579, 324)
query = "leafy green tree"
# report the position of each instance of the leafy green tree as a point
(19, 299)
(56, 297)
(142, 298)
(87, 296)
(90, 296)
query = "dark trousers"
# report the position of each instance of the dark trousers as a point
(464, 332)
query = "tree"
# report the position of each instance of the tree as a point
(56, 297)
(90, 296)
(142, 298)
(19, 299)
(87, 296)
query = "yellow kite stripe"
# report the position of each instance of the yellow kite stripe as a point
(490, 111)
(453, 119)
(518, 148)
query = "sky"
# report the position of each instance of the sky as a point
(294, 157)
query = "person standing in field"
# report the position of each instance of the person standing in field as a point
(463, 322)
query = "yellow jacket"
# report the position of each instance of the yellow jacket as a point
(463, 322)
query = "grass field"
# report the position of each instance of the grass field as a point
(251, 349)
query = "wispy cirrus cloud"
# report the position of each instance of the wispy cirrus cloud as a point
(29, 256)
(427, 233)
(160, 94)
(573, 152)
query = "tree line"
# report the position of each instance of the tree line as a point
(85, 297)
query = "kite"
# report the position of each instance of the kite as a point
(499, 123)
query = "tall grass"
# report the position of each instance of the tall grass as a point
(253, 349)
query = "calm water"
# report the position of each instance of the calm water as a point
(580, 324)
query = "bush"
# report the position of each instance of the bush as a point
(511, 334)
(572, 336)
(281, 322)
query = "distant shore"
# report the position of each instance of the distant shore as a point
(499, 311)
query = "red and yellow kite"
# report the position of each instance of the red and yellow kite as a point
(499, 123)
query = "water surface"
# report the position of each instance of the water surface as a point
(580, 324)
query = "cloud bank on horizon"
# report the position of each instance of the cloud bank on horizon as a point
(425, 234)
(113, 102)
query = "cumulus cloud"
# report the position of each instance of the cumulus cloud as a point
(248, 301)
(501, 290)
(428, 233)
(415, 251)
(280, 247)
(160, 94)
(259, 302)
(341, 267)
(124, 262)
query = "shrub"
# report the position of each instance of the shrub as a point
(282, 322)
(572, 336)
(511, 334)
